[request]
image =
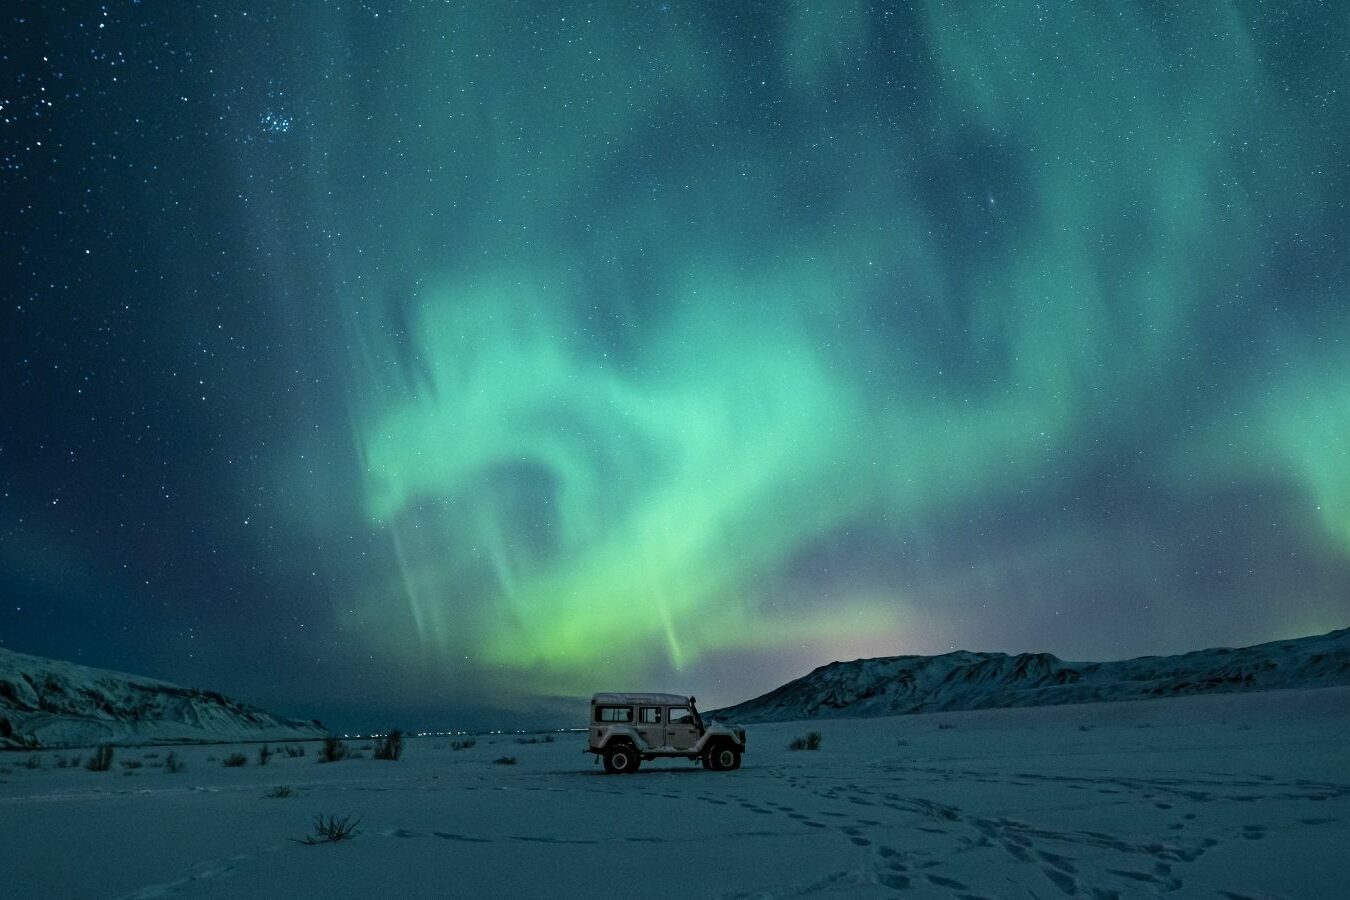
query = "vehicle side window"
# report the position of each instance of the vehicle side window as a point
(614, 714)
(680, 715)
(649, 715)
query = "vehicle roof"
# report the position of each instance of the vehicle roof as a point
(654, 699)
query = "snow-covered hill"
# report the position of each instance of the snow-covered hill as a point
(893, 685)
(50, 703)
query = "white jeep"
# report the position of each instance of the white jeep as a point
(625, 729)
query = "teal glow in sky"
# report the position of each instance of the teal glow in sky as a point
(691, 345)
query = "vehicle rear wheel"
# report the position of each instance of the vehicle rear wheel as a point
(726, 758)
(621, 759)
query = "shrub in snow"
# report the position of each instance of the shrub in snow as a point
(33, 762)
(132, 763)
(235, 760)
(333, 750)
(102, 758)
(293, 752)
(264, 754)
(505, 761)
(281, 791)
(945, 726)
(330, 829)
(809, 741)
(173, 764)
(391, 747)
(463, 745)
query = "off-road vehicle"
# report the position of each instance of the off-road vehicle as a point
(626, 729)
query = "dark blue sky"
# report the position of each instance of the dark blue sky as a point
(438, 362)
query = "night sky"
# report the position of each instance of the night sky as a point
(426, 364)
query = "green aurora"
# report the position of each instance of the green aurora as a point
(642, 307)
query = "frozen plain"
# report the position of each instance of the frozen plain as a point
(1239, 795)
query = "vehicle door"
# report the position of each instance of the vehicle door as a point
(650, 726)
(681, 730)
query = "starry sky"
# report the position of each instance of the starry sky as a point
(442, 361)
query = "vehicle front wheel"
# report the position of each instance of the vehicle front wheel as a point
(621, 760)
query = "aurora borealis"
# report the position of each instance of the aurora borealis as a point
(458, 357)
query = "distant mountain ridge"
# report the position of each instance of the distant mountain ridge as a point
(897, 685)
(51, 703)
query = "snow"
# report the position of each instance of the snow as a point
(658, 699)
(52, 703)
(1247, 794)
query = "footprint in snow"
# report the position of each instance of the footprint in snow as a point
(1062, 880)
(951, 883)
(895, 881)
(1061, 863)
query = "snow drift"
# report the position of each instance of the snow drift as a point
(50, 703)
(963, 680)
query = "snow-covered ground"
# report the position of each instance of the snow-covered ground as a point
(1243, 795)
